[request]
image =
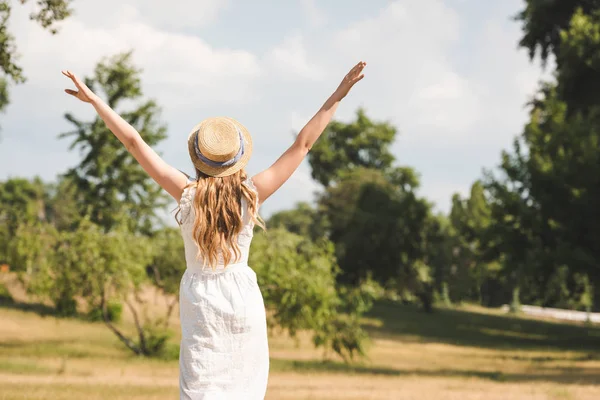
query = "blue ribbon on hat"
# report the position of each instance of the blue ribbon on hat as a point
(220, 164)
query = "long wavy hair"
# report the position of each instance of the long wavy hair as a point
(218, 216)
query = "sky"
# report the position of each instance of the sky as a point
(447, 73)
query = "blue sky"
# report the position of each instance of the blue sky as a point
(448, 74)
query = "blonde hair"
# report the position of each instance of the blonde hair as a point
(218, 215)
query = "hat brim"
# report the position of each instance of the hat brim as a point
(220, 172)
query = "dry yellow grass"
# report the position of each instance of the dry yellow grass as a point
(453, 354)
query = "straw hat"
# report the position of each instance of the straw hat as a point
(220, 146)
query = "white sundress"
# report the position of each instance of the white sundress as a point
(224, 350)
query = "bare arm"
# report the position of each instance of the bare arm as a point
(270, 180)
(169, 178)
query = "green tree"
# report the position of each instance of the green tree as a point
(369, 218)
(568, 31)
(437, 269)
(344, 147)
(544, 196)
(21, 201)
(62, 199)
(96, 267)
(47, 14)
(373, 216)
(29, 201)
(303, 220)
(113, 187)
(471, 219)
(379, 231)
(167, 266)
(298, 281)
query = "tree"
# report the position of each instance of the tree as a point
(379, 231)
(471, 219)
(543, 21)
(97, 268)
(113, 186)
(297, 278)
(21, 201)
(375, 227)
(372, 213)
(303, 220)
(62, 200)
(563, 138)
(167, 266)
(47, 14)
(567, 30)
(344, 147)
(543, 199)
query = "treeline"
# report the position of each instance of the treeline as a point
(530, 229)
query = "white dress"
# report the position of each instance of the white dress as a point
(224, 351)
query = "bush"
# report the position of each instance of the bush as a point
(156, 337)
(169, 352)
(114, 310)
(5, 296)
(298, 281)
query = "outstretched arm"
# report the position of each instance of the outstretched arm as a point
(271, 179)
(169, 178)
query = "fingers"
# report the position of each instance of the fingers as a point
(68, 74)
(356, 70)
(359, 66)
(73, 77)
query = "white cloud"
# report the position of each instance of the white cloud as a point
(183, 69)
(315, 15)
(175, 15)
(409, 74)
(446, 103)
(290, 60)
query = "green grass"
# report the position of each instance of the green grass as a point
(467, 353)
(487, 329)
(23, 367)
(328, 366)
(58, 391)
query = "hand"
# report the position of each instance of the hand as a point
(350, 79)
(83, 93)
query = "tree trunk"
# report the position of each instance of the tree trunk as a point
(515, 305)
(140, 329)
(126, 341)
(426, 297)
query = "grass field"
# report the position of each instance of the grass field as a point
(467, 354)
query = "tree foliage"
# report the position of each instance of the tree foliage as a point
(344, 147)
(545, 222)
(94, 268)
(113, 187)
(303, 220)
(47, 13)
(297, 277)
(375, 226)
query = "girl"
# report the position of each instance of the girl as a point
(224, 352)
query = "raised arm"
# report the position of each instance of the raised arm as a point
(169, 178)
(268, 181)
